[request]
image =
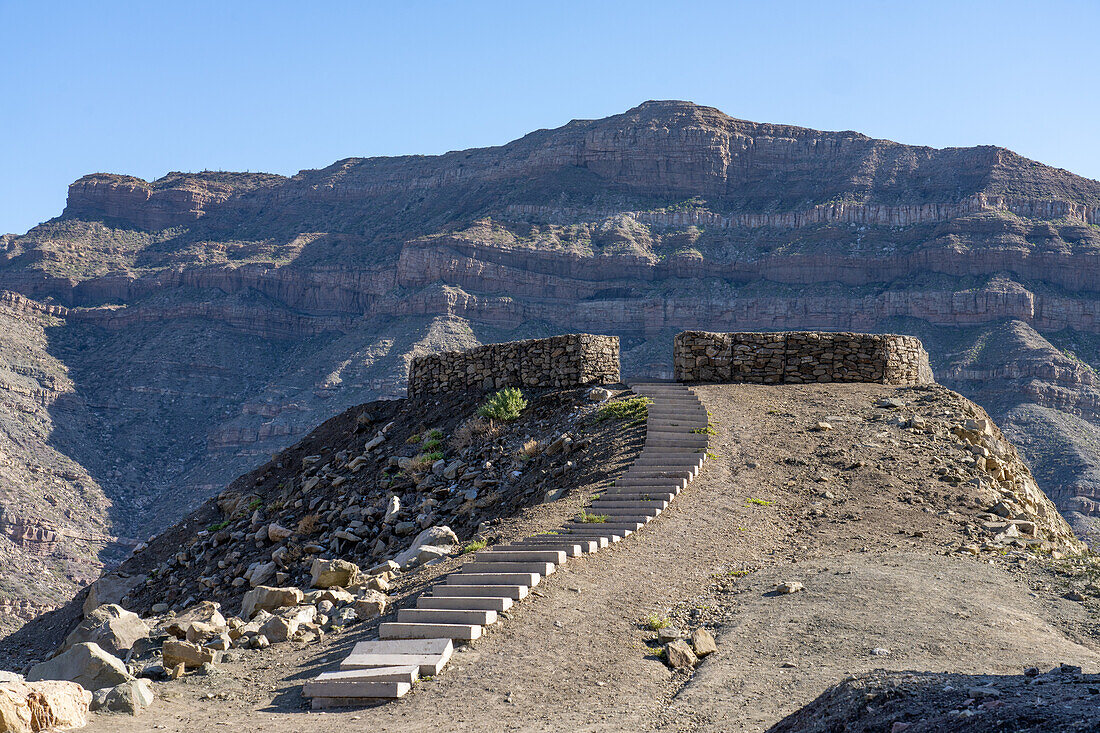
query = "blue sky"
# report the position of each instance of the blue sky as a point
(145, 88)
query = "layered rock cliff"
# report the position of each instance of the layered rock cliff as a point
(207, 320)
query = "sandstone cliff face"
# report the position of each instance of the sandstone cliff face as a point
(204, 321)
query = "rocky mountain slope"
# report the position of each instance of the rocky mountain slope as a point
(836, 530)
(208, 320)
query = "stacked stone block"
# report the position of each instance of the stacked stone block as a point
(800, 357)
(574, 360)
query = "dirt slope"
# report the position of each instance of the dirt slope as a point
(879, 561)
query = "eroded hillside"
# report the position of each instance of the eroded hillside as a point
(209, 320)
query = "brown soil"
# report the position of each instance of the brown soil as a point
(878, 565)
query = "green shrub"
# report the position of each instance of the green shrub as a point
(505, 405)
(474, 546)
(654, 622)
(587, 518)
(633, 409)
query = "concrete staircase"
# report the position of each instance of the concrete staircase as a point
(421, 640)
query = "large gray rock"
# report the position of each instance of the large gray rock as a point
(85, 664)
(129, 697)
(112, 627)
(204, 612)
(110, 588)
(435, 537)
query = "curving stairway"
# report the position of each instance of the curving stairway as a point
(420, 642)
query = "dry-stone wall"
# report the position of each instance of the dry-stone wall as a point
(800, 357)
(573, 360)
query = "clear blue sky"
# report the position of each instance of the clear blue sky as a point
(148, 87)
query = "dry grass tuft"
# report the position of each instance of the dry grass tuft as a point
(309, 524)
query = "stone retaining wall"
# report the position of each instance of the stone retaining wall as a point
(574, 360)
(800, 357)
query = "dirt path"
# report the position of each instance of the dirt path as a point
(574, 657)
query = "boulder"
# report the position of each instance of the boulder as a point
(334, 574)
(129, 697)
(277, 533)
(112, 627)
(439, 537)
(206, 612)
(177, 652)
(702, 642)
(680, 656)
(85, 664)
(284, 625)
(266, 598)
(110, 588)
(29, 707)
(371, 604)
(336, 596)
(262, 573)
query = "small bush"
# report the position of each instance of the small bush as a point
(474, 546)
(473, 431)
(587, 518)
(760, 502)
(255, 503)
(634, 410)
(431, 444)
(435, 434)
(219, 526)
(504, 405)
(432, 457)
(528, 450)
(309, 524)
(413, 439)
(654, 622)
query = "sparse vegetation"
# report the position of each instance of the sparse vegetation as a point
(309, 524)
(505, 405)
(634, 410)
(471, 431)
(528, 450)
(588, 518)
(760, 502)
(218, 526)
(653, 622)
(474, 546)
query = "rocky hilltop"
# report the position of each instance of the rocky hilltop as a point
(202, 322)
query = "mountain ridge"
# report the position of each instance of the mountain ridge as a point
(208, 320)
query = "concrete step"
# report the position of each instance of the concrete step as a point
(614, 518)
(359, 682)
(458, 632)
(540, 568)
(481, 603)
(367, 691)
(503, 554)
(429, 655)
(679, 483)
(566, 548)
(528, 579)
(611, 495)
(671, 472)
(587, 546)
(685, 441)
(610, 535)
(570, 548)
(602, 527)
(613, 505)
(480, 617)
(512, 591)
